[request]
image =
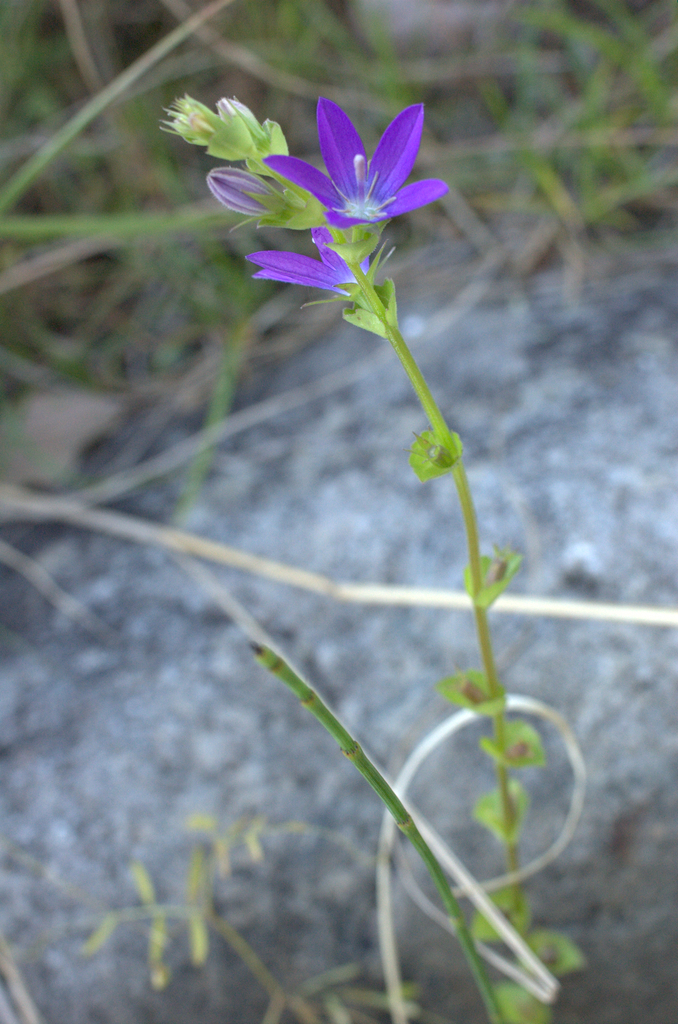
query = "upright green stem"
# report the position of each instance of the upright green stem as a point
(443, 435)
(354, 752)
(435, 417)
(487, 655)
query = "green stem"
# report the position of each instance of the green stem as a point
(354, 752)
(435, 417)
(443, 436)
(487, 657)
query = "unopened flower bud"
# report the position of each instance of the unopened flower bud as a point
(267, 139)
(236, 189)
(192, 120)
(231, 140)
(231, 134)
(229, 109)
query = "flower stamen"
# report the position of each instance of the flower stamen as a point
(360, 168)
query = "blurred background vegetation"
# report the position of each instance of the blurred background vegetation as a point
(123, 289)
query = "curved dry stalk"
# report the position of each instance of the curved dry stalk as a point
(536, 979)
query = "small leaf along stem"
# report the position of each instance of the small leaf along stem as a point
(354, 752)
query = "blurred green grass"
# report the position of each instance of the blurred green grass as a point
(117, 273)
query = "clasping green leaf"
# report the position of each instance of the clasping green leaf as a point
(387, 294)
(367, 320)
(355, 252)
(489, 811)
(514, 906)
(523, 746)
(430, 459)
(497, 573)
(560, 954)
(520, 1007)
(471, 690)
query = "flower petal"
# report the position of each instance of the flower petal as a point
(397, 150)
(418, 194)
(293, 268)
(307, 176)
(332, 259)
(339, 144)
(329, 257)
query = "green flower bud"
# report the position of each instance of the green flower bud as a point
(192, 120)
(233, 133)
(234, 108)
(265, 139)
(199, 125)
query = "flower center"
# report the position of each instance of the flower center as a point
(362, 204)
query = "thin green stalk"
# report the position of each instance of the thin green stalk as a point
(487, 657)
(442, 433)
(353, 751)
(27, 174)
(435, 417)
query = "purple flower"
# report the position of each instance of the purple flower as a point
(357, 192)
(293, 268)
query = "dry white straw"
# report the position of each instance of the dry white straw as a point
(534, 977)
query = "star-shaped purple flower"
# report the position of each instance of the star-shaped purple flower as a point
(293, 268)
(357, 192)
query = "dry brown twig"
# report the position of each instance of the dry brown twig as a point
(77, 39)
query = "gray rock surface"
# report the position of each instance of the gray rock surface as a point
(569, 418)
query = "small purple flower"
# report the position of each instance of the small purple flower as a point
(232, 186)
(357, 192)
(293, 268)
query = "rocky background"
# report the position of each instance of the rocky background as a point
(567, 406)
